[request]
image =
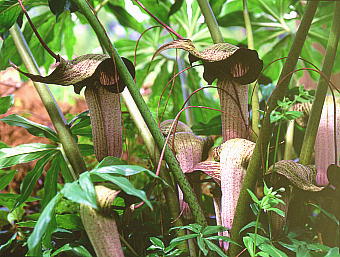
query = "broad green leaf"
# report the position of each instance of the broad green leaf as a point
(302, 251)
(334, 252)
(253, 196)
(212, 230)
(192, 227)
(223, 238)
(34, 128)
(248, 242)
(158, 8)
(157, 242)
(78, 250)
(125, 170)
(5, 103)
(175, 7)
(183, 238)
(69, 36)
(24, 153)
(86, 149)
(125, 185)
(43, 223)
(76, 192)
(64, 169)
(30, 180)
(69, 222)
(201, 245)
(9, 200)
(124, 18)
(50, 182)
(9, 12)
(214, 248)
(272, 250)
(59, 6)
(211, 127)
(6, 177)
(110, 161)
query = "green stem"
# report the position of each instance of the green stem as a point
(320, 94)
(254, 168)
(149, 120)
(70, 146)
(253, 88)
(277, 143)
(210, 20)
(256, 228)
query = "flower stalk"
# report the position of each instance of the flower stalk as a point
(152, 125)
(320, 94)
(254, 167)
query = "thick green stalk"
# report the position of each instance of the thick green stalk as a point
(69, 145)
(320, 94)
(254, 170)
(149, 120)
(210, 20)
(253, 88)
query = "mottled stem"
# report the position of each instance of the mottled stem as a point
(106, 121)
(101, 226)
(234, 122)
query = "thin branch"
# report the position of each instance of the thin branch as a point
(42, 42)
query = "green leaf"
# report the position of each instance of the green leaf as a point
(35, 129)
(175, 7)
(77, 191)
(183, 238)
(69, 37)
(78, 250)
(124, 170)
(124, 18)
(334, 252)
(6, 177)
(24, 153)
(253, 196)
(31, 179)
(292, 115)
(157, 242)
(43, 224)
(248, 242)
(192, 227)
(59, 6)
(51, 182)
(272, 250)
(125, 185)
(9, 200)
(212, 230)
(110, 161)
(69, 222)
(302, 251)
(214, 248)
(201, 245)
(223, 238)
(211, 127)
(86, 149)
(5, 103)
(9, 12)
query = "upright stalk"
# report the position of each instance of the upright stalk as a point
(152, 125)
(69, 145)
(254, 170)
(253, 88)
(320, 94)
(211, 21)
